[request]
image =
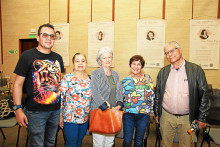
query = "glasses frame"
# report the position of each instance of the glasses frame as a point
(171, 51)
(52, 36)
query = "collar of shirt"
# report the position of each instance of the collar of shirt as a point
(182, 65)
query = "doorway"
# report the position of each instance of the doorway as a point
(26, 44)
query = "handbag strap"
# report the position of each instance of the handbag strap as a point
(109, 106)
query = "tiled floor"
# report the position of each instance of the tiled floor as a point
(11, 136)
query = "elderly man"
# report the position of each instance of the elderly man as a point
(181, 97)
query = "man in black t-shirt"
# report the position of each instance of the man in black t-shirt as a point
(40, 69)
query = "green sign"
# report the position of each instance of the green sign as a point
(32, 35)
(16, 51)
(11, 51)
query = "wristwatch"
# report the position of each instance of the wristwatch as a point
(16, 107)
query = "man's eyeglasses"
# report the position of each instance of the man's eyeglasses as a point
(46, 36)
(171, 51)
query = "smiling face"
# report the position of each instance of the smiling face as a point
(79, 63)
(136, 67)
(45, 43)
(106, 60)
(173, 56)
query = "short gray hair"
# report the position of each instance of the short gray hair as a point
(172, 43)
(102, 51)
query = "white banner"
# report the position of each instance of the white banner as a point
(150, 42)
(204, 43)
(100, 34)
(61, 45)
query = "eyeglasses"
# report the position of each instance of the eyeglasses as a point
(46, 36)
(171, 51)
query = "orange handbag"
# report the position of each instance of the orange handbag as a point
(106, 122)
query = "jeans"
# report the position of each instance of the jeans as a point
(42, 127)
(137, 121)
(74, 133)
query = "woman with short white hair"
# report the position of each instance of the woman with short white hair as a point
(106, 89)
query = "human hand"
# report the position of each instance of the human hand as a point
(201, 124)
(61, 121)
(116, 108)
(157, 119)
(21, 118)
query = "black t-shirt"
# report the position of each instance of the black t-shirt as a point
(42, 74)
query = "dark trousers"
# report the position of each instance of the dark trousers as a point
(74, 133)
(139, 123)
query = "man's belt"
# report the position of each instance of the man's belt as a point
(176, 114)
(180, 114)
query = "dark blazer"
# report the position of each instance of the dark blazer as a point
(198, 95)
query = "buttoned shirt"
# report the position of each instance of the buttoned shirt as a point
(176, 96)
(75, 99)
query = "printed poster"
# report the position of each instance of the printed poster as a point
(150, 42)
(100, 34)
(204, 43)
(61, 45)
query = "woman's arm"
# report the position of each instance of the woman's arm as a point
(97, 98)
(119, 95)
(63, 90)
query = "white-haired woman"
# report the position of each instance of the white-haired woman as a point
(106, 88)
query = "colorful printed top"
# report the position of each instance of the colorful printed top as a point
(138, 95)
(75, 99)
(42, 74)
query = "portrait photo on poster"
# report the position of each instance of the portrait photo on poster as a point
(204, 34)
(150, 35)
(100, 35)
(57, 35)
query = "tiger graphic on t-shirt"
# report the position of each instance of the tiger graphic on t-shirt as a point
(46, 80)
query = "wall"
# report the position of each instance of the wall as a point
(18, 17)
(0, 47)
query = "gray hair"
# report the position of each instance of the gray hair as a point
(172, 43)
(102, 51)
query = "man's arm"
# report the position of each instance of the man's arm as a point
(17, 98)
(157, 99)
(204, 96)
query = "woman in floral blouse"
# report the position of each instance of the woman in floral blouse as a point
(75, 102)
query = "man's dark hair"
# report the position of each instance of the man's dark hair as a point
(45, 25)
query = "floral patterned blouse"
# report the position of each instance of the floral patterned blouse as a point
(75, 99)
(138, 95)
